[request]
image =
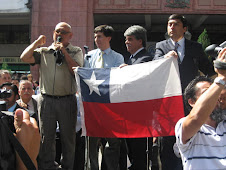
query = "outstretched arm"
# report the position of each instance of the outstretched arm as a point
(204, 106)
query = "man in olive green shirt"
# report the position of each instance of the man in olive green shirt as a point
(57, 101)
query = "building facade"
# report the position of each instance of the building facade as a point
(84, 15)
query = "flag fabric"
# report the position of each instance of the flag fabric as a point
(136, 101)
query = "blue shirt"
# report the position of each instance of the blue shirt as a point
(110, 58)
(11, 109)
(180, 49)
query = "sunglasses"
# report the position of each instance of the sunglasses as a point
(61, 31)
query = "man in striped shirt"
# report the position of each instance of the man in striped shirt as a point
(201, 135)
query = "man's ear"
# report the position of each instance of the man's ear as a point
(71, 35)
(191, 102)
(109, 39)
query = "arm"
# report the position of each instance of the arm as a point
(119, 60)
(27, 133)
(27, 55)
(160, 53)
(204, 105)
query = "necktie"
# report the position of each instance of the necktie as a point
(100, 62)
(130, 60)
(175, 49)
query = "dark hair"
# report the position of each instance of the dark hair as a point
(191, 89)
(139, 33)
(16, 78)
(23, 77)
(13, 87)
(180, 17)
(105, 29)
(36, 82)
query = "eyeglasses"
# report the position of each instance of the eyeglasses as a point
(61, 31)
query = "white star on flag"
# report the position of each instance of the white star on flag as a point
(93, 84)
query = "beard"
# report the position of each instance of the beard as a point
(218, 115)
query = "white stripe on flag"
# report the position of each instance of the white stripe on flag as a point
(146, 81)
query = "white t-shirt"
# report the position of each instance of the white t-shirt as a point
(206, 149)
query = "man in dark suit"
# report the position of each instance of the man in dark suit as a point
(135, 44)
(191, 59)
(190, 54)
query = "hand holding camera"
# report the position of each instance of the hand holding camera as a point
(213, 50)
(220, 63)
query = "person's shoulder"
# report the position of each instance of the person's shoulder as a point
(73, 48)
(116, 53)
(93, 51)
(162, 42)
(222, 125)
(179, 124)
(193, 43)
(35, 97)
(147, 57)
(42, 49)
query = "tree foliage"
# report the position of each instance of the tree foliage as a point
(5, 66)
(204, 39)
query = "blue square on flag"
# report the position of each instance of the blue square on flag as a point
(94, 84)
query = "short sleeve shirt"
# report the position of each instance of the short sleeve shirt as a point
(205, 150)
(54, 79)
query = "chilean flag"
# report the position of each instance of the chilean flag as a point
(136, 101)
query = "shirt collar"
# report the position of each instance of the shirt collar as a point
(107, 51)
(137, 51)
(12, 108)
(181, 42)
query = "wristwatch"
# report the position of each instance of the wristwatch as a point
(219, 80)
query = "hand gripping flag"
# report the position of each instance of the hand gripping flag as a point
(136, 101)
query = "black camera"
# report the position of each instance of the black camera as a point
(7, 116)
(214, 49)
(4, 93)
(8, 155)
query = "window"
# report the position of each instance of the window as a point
(14, 34)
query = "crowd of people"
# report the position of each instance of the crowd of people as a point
(199, 139)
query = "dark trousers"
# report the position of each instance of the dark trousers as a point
(79, 160)
(139, 154)
(168, 158)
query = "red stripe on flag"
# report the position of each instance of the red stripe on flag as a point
(133, 119)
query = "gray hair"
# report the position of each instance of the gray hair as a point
(23, 82)
(139, 32)
(4, 72)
